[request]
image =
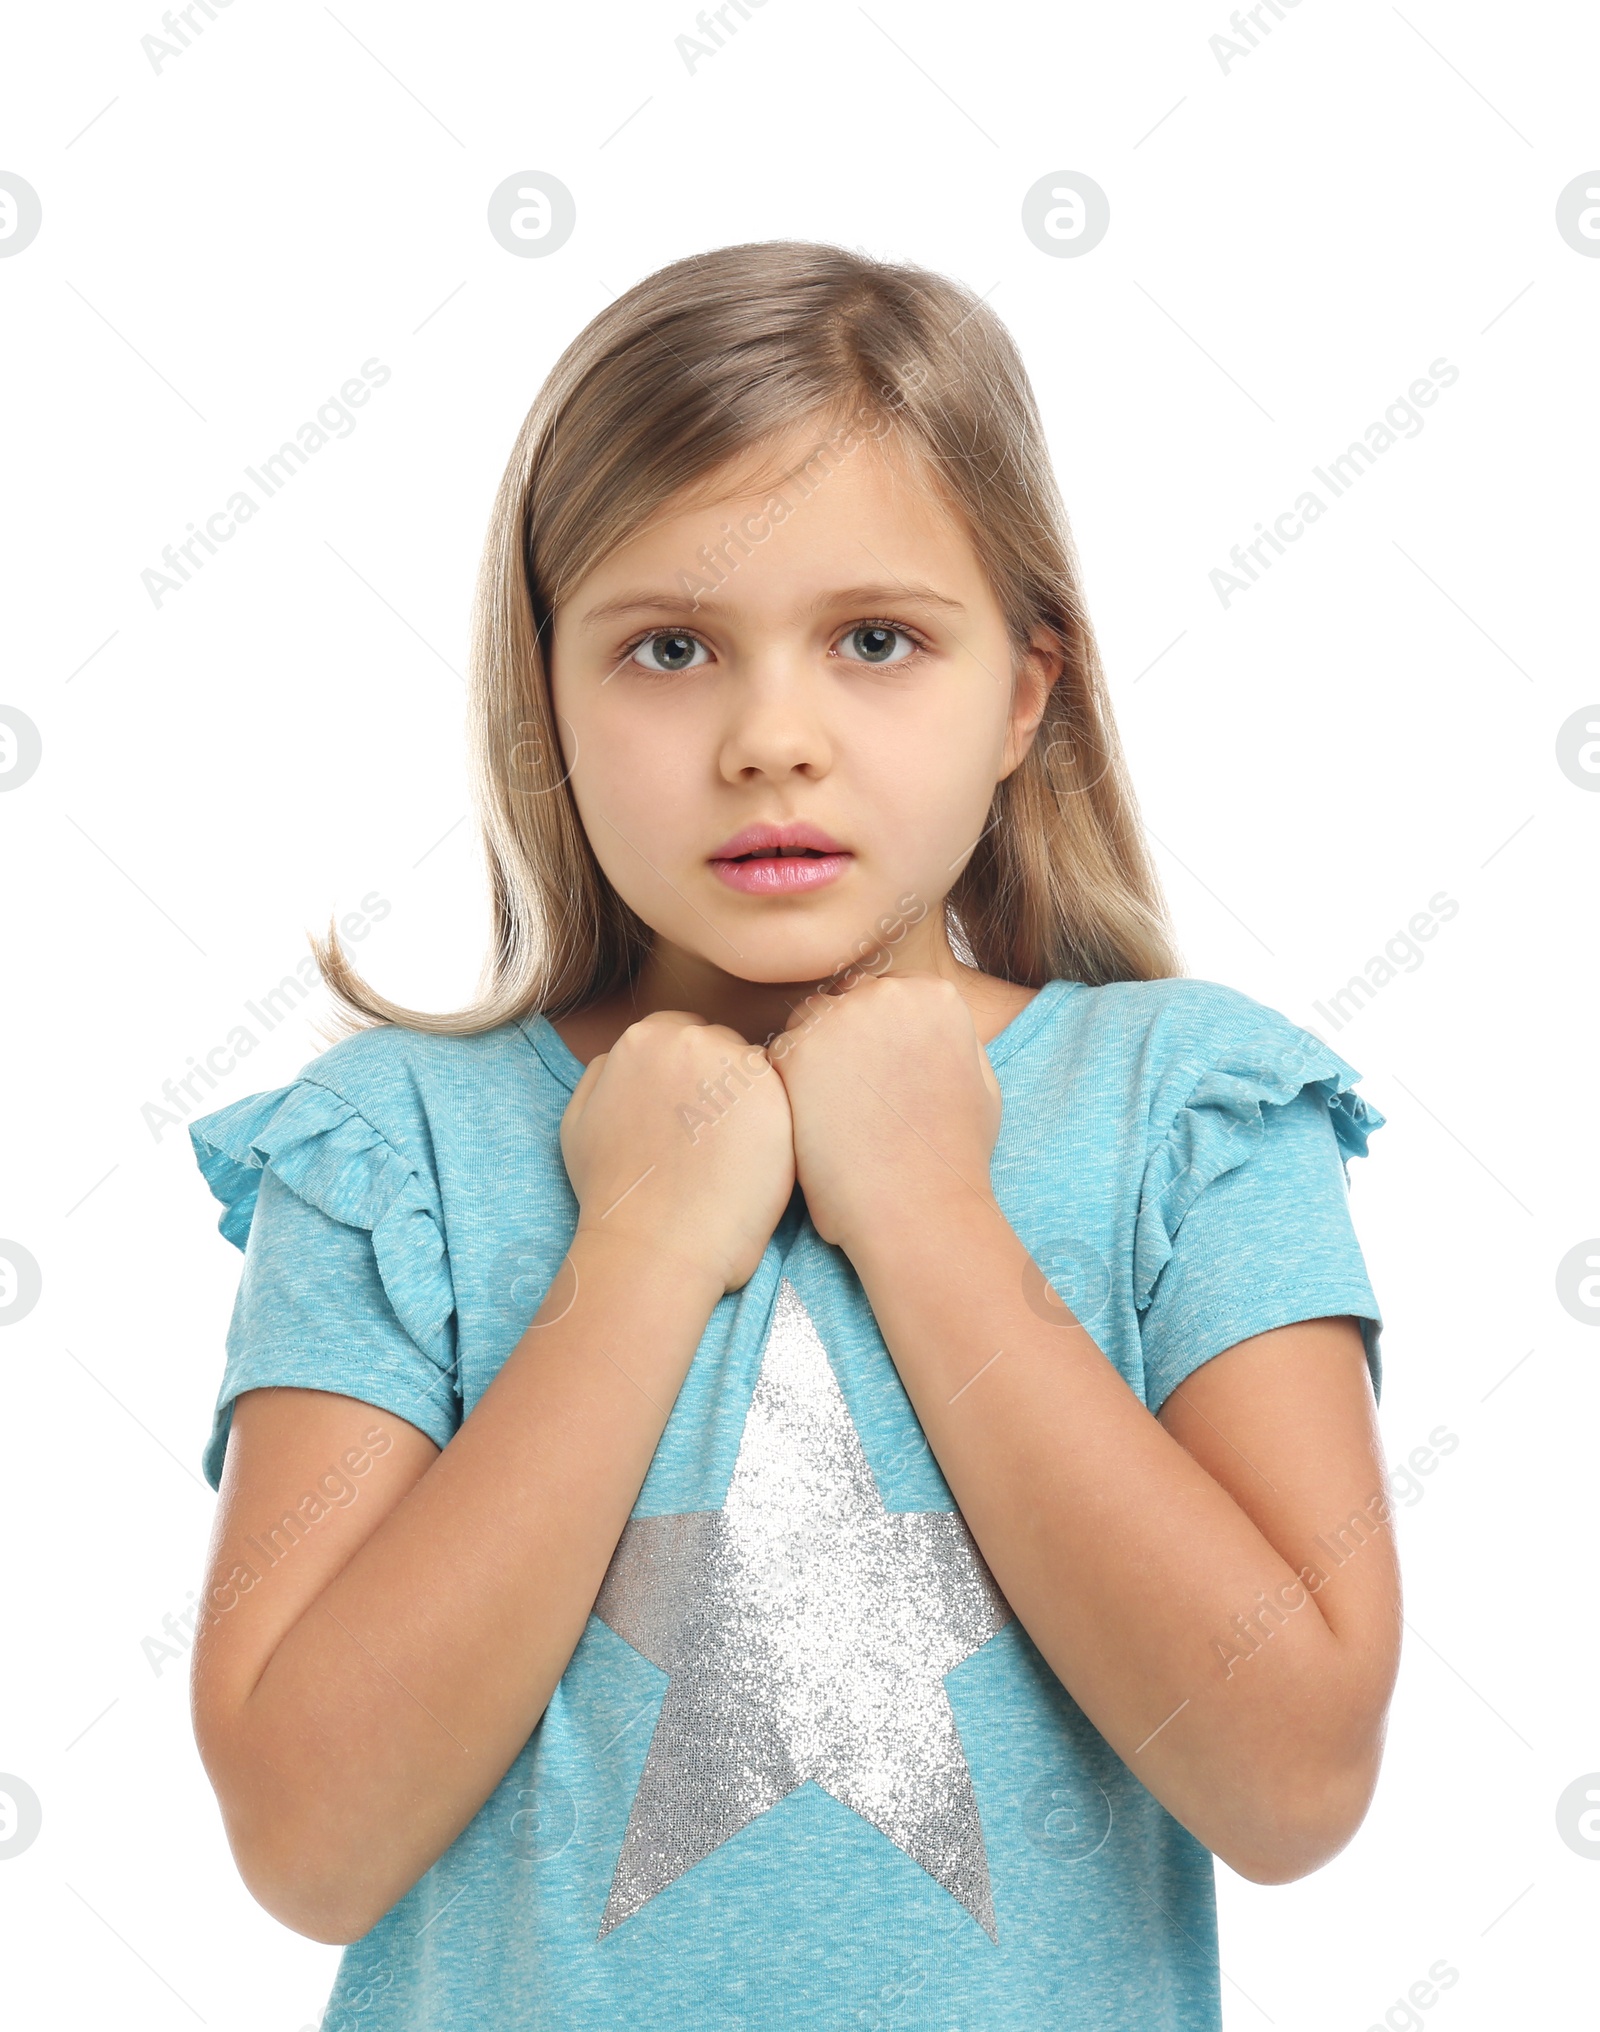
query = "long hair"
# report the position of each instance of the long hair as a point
(701, 362)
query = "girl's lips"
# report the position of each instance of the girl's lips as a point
(782, 874)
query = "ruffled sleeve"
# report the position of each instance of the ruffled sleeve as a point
(346, 1284)
(1243, 1222)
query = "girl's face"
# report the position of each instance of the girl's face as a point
(823, 651)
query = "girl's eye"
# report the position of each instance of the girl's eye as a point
(875, 641)
(671, 649)
(667, 651)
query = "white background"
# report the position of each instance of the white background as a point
(1292, 242)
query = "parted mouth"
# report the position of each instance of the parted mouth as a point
(758, 842)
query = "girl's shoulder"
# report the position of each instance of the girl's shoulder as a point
(412, 1085)
(1192, 1048)
(1178, 1010)
(365, 1126)
(1179, 1024)
(389, 1063)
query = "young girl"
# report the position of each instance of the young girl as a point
(809, 1459)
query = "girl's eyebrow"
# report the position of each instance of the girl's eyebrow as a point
(645, 601)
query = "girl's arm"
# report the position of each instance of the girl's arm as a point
(1137, 1552)
(1157, 1562)
(357, 1705)
(358, 1702)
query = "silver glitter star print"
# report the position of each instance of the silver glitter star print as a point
(807, 1632)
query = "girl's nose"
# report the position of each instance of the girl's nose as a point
(775, 716)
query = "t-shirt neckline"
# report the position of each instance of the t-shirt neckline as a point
(568, 1068)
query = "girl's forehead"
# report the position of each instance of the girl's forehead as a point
(779, 488)
(802, 457)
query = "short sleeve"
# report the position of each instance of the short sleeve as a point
(346, 1281)
(1244, 1219)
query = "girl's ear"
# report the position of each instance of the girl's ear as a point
(1037, 669)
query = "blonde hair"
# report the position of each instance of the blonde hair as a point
(700, 363)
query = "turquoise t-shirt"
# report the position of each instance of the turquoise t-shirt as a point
(804, 1768)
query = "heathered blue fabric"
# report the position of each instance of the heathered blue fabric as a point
(1172, 1153)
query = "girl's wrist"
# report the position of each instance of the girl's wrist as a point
(921, 1227)
(645, 1251)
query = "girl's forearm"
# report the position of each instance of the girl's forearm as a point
(390, 1711)
(1126, 1562)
